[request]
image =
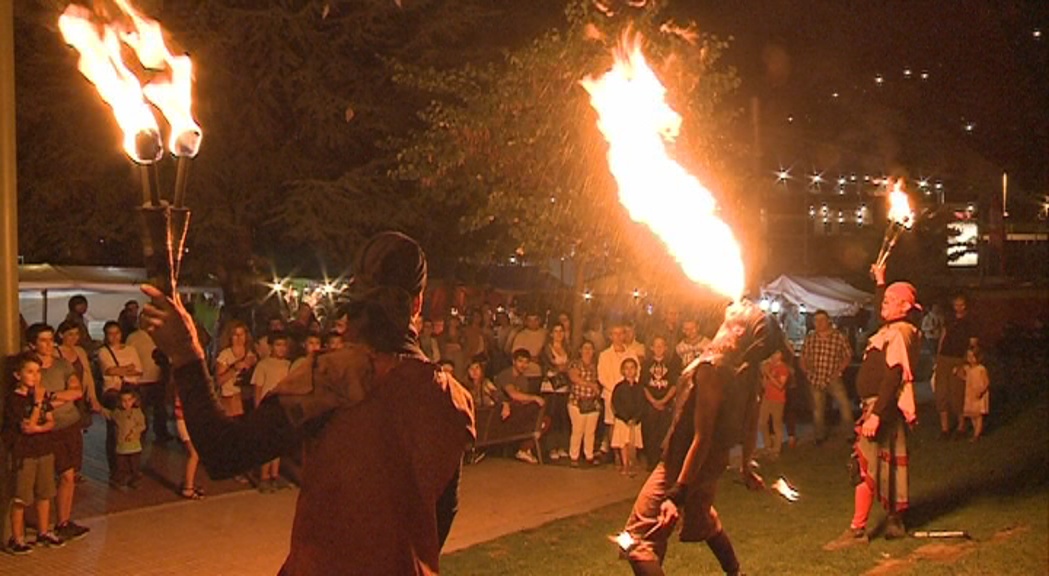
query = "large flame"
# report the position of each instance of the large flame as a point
(638, 124)
(169, 88)
(900, 210)
(100, 62)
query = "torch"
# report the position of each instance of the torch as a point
(901, 218)
(164, 225)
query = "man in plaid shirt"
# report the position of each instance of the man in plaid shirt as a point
(824, 357)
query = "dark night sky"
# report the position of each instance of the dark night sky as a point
(986, 62)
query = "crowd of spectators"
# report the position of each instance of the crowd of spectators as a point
(602, 394)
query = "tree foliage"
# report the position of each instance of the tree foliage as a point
(514, 146)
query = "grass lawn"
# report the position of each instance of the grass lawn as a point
(997, 490)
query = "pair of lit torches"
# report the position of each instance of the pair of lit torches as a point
(168, 88)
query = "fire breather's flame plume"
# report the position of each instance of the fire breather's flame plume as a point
(638, 124)
(101, 64)
(900, 210)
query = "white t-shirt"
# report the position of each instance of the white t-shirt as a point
(125, 356)
(268, 373)
(143, 343)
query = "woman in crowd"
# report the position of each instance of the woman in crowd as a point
(70, 350)
(233, 366)
(584, 403)
(554, 361)
(121, 367)
(451, 343)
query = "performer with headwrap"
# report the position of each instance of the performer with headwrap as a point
(718, 396)
(885, 387)
(383, 430)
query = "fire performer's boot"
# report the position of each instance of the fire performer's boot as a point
(894, 528)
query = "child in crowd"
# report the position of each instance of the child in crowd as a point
(977, 394)
(310, 346)
(188, 490)
(774, 376)
(268, 373)
(628, 405)
(129, 423)
(28, 421)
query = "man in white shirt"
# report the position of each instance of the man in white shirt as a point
(152, 384)
(609, 374)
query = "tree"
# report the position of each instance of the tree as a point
(513, 146)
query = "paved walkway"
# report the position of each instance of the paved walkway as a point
(246, 533)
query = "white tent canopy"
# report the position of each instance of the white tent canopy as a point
(44, 291)
(834, 295)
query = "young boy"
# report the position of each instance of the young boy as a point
(28, 421)
(628, 405)
(268, 373)
(130, 424)
(774, 376)
(311, 345)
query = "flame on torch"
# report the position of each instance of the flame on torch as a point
(101, 63)
(637, 122)
(169, 89)
(901, 217)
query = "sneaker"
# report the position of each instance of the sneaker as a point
(526, 456)
(71, 531)
(555, 455)
(574, 463)
(18, 548)
(561, 452)
(266, 486)
(894, 529)
(850, 537)
(50, 539)
(280, 484)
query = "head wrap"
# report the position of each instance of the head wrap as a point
(392, 260)
(904, 292)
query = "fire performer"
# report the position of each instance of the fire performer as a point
(383, 429)
(719, 392)
(885, 386)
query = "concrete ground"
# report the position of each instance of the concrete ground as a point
(246, 533)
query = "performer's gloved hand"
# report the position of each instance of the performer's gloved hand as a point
(870, 426)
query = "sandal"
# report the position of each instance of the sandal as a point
(191, 493)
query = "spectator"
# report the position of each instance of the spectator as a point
(516, 386)
(774, 376)
(474, 341)
(932, 329)
(451, 344)
(670, 328)
(188, 489)
(447, 366)
(555, 385)
(959, 334)
(566, 323)
(977, 395)
(628, 404)
(67, 438)
(152, 384)
(632, 343)
(584, 403)
(233, 367)
(129, 424)
(28, 421)
(659, 377)
(128, 318)
(609, 374)
(428, 342)
(824, 357)
(333, 340)
(121, 367)
(595, 331)
(268, 373)
(262, 345)
(68, 348)
(531, 337)
(310, 347)
(692, 343)
(484, 392)
(76, 315)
